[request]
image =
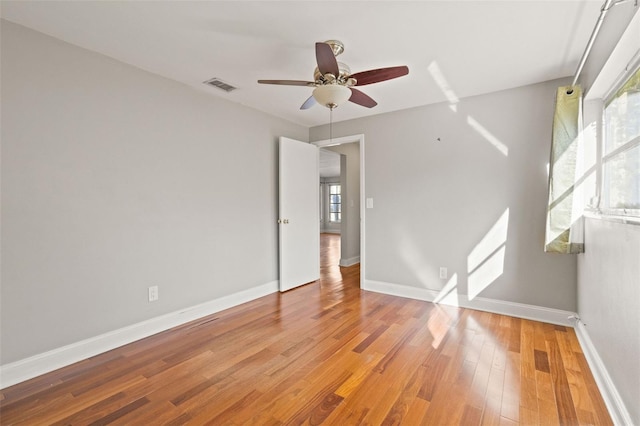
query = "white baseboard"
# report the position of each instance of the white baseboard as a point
(618, 411)
(350, 261)
(519, 310)
(34, 366)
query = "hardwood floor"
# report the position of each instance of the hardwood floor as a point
(326, 353)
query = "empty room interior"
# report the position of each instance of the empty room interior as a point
(305, 212)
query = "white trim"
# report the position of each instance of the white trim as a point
(338, 141)
(622, 58)
(34, 366)
(362, 214)
(350, 261)
(519, 310)
(618, 411)
(603, 215)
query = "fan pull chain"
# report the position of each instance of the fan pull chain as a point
(330, 125)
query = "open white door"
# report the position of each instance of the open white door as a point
(299, 220)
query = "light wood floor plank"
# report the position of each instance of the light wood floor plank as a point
(326, 353)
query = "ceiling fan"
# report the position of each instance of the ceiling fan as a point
(334, 82)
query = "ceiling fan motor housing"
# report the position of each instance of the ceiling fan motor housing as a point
(342, 78)
(336, 45)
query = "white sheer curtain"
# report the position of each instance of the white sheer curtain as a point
(566, 169)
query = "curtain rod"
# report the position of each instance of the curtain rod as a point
(608, 4)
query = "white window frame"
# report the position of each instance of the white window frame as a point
(329, 203)
(617, 69)
(604, 158)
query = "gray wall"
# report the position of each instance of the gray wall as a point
(609, 303)
(115, 179)
(436, 200)
(609, 271)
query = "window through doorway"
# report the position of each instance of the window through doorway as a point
(335, 203)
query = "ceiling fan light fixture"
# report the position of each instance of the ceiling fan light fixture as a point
(331, 95)
(333, 81)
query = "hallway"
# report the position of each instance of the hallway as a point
(331, 274)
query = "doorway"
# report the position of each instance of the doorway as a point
(332, 170)
(352, 226)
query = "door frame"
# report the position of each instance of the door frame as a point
(340, 141)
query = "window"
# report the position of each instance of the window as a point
(621, 150)
(335, 203)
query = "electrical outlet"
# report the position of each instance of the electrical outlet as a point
(443, 272)
(153, 293)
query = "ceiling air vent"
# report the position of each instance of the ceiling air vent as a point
(216, 82)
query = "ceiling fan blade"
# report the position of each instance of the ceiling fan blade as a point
(357, 97)
(381, 74)
(309, 103)
(288, 82)
(326, 60)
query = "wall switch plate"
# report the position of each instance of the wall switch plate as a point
(369, 203)
(153, 293)
(443, 272)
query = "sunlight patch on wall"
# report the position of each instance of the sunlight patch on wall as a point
(486, 273)
(502, 148)
(443, 84)
(448, 295)
(485, 263)
(494, 238)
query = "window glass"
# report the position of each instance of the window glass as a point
(621, 150)
(335, 203)
(622, 115)
(622, 178)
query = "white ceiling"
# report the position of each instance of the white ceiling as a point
(452, 48)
